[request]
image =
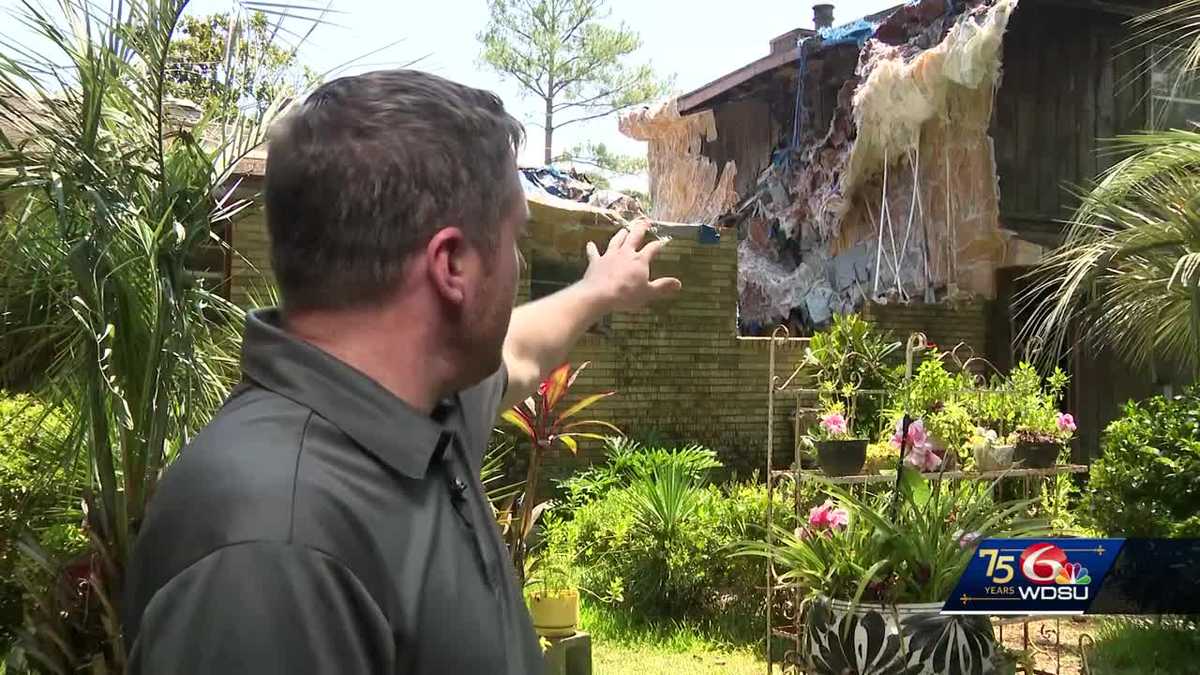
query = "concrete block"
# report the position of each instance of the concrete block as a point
(570, 656)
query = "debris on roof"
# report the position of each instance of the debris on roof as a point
(574, 186)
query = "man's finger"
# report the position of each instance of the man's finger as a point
(618, 239)
(666, 286)
(592, 251)
(637, 232)
(650, 250)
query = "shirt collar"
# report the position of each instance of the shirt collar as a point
(385, 426)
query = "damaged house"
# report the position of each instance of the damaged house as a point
(909, 156)
(922, 156)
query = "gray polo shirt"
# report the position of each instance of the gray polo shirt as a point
(321, 525)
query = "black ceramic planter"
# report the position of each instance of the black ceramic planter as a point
(1036, 455)
(909, 639)
(842, 458)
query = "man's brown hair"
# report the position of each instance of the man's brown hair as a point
(368, 168)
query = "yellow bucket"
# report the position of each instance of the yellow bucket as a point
(555, 613)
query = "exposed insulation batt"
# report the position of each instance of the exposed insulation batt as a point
(685, 186)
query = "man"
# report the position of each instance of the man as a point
(330, 519)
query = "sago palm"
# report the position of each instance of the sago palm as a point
(1128, 272)
(107, 198)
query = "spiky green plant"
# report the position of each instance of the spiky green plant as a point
(911, 545)
(1128, 273)
(107, 200)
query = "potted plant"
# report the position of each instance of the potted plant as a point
(1039, 444)
(878, 569)
(1039, 447)
(1038, 430)
(939, 398)
(552, 593)
(839, 452)
(992, 452)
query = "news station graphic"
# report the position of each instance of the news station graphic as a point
(1033, 576)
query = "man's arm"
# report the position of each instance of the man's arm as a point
(541, 333)
(263, 608)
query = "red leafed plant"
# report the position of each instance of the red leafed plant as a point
(538, 418)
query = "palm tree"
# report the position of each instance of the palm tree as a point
(107, 199)
(1128, 273)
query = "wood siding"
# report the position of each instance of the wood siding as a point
(745, 135)
(1069, 84)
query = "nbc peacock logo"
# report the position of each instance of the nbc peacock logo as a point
(1073, 574)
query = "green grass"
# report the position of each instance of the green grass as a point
(1145, 647)
(622, 645)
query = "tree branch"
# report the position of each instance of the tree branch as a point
(584, 73)
(591, 161)
(614, 109)
(588, 117)
(534, 87)
(587, 102)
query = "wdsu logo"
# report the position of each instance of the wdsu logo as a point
(1023, 576)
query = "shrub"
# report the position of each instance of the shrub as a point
(1147, 482)
(647, 533)
(629, 546)
(35, 496)
(1144, 645)
(628, 460)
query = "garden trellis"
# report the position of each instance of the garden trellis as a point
(781, 389)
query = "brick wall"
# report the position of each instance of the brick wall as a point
(679, 369)
(945, 324)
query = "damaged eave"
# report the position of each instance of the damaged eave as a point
(709, 94)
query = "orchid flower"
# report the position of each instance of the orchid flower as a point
(828, 516)
(923, 458)
(916, 433)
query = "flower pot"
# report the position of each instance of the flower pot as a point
(906, 639)
(990, 457)
(555, 613)
(842, 458)
(1036, 455)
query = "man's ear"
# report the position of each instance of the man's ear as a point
(446, 263)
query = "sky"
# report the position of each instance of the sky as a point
(694, 41)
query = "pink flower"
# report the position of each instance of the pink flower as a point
(916, 433)
(834, 423)
(1066, 422)
(828, 516)
(923, 458)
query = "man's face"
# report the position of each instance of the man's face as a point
(491, 307)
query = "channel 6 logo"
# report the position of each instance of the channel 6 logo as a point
(1045, 566)
(1023, 576)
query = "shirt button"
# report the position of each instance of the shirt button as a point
(459, 486)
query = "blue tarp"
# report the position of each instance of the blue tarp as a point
(856, 32)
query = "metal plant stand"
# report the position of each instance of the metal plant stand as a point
(790, 622)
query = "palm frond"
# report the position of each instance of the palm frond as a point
(108, 198)
(1126, 275)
